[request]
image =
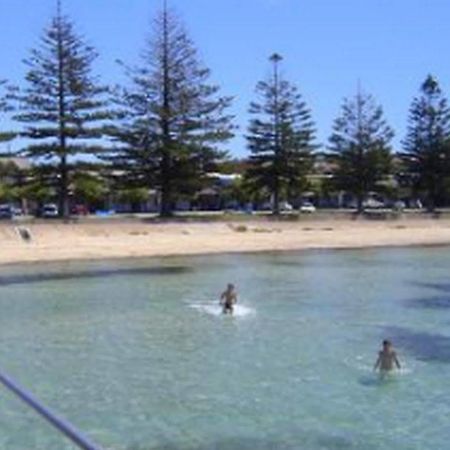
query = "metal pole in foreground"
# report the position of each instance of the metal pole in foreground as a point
(59, 423)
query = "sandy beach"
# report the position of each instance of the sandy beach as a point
(55, 241)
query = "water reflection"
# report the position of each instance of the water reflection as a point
(430, 302)
(377, 380)
(302, 440)
(425, 346)
(444, 287)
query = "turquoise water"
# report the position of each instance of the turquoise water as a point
(137, 354)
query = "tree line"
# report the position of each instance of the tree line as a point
(166, 128)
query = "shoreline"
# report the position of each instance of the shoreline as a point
(108, 240)
(31, 263)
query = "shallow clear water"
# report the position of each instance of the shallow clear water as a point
(137, 354)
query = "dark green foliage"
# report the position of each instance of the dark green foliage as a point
(9, 172)
(5, 107)
(89, 186)
(173, 119)
(62, 106)
(427, 144)
(280, 139)
(360, 143)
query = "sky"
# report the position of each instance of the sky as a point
(328, 47)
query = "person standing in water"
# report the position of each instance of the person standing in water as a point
(228, 299)
(386, 358)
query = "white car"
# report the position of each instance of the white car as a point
(285, 206)
(307, 207)
(50, 210)
(373, 203)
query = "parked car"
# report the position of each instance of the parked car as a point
(307, 207)
(266, 206)
(284, 206)
(232, 205)
(399, 205)
(6, 212)
(373, 203)
(50, 210)
(79, 210)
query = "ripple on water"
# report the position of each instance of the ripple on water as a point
(144, 359)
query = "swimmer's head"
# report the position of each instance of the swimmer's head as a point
(230, 286)
(387, 343)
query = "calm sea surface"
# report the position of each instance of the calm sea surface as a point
(138, 356)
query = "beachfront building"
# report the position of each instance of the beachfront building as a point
(99, 189)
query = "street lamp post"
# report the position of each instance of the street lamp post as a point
(275, 59)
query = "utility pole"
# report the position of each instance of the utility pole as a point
(276, 59)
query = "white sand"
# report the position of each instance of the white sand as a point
(54, 241)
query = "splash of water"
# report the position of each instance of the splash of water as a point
(363, 365)
(214, 309)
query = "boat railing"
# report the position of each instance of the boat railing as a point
(58, 422)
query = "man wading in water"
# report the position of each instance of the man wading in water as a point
(386, 358)
(228, 299)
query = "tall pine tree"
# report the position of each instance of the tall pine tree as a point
(280, 138)
(62, 106)
(173, 119)
(427, 150)
(360, 143)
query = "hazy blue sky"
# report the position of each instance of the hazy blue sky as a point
(328, 45)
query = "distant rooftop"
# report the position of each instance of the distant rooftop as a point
(21, 163)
